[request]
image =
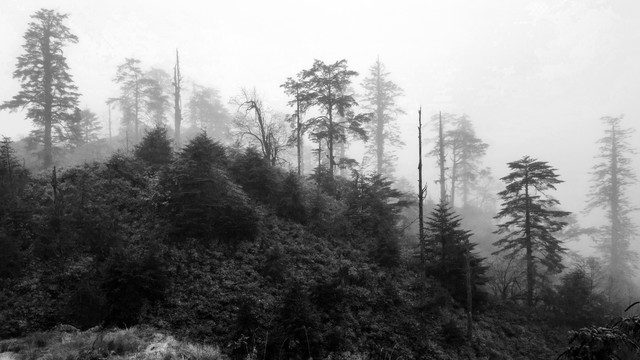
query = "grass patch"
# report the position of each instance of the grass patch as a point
(133, 343)
(120, 342)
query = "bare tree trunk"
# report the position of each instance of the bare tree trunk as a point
(330, 140)
(177, 80)
(421, 194)
(441, 161)
(109, 123)
(137, 108)
(380, 124)
(454, 170)
(298, 132)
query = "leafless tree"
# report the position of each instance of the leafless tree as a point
(255, 125)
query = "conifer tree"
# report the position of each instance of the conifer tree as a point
(612, 177)
(48, 91)
(531, 218)
(205, 112)
(326, 86)
(81, 128)
(380, 96)
(465, 150)
(448, 246)
(155, 148)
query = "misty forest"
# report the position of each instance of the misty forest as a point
(186, 224)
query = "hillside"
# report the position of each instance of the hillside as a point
(214, 246)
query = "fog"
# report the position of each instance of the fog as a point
(534, 76)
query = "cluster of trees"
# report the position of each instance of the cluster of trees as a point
(113, 241)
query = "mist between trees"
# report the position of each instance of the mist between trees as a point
(265, 231)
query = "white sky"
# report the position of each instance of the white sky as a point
(534, 76)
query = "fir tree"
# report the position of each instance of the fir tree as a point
(447, 245)
(48, 91)
(155, 148)
(380, 96)
(530, 218)
(612, 177)
(326, 86)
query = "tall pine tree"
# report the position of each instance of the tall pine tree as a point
(48, 91)
(327, 87)
(530, 218)
(612, 177)
(380, 97)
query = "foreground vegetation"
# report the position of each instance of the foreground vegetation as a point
(214, 245)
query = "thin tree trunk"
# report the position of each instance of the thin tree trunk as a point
(380, 124)
(137, 108)
(420, 193)
(421, 238)
(298, 132)
(177, 79)
(529, 245)
(48, 98)
(454, 170)
(330, 140)
(467, 266)
(109, 123)
(443, 190)
(614, 272)
(465, 191)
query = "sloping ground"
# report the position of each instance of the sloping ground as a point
(495, 339)
(292, 294)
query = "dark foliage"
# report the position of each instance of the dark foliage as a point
(576, 303)
(132, 282)
(374, 208)
(202, 202)
(618, 340)
(155, 148)
(13, 213)
(448, 244)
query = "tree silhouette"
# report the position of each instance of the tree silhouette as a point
(611, 177)
(530, 218)
(48, 91)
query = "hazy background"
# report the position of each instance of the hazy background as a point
(534, 76)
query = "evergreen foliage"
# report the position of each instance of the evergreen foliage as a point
(374, 208)
(448, 243)
(380, 95)
(612, 177)
(578, 302)
(155, 148)
(326, 87)
(530, 219)
(205, 112)
(47, 88)
(202, 201)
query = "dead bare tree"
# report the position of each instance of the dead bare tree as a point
(177, 105)
(252, 123)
